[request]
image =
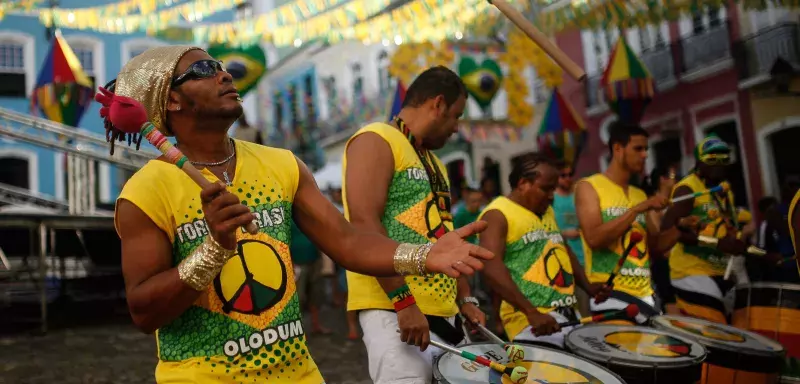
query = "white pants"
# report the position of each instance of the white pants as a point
(392, 361)
(613, 304)
(556, 339)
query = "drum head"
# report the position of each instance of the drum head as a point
(543, 364)
(634, 346)
(719, 336)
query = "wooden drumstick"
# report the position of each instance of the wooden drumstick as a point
(561, 58)
(629, 312)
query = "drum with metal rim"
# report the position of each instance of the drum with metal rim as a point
(544, 365)
(640, 355)
(772, 310)
(734, 356)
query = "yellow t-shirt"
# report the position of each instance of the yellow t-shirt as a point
(634, 277)
(537, 260)
(412, 215)
(247, 325)
(792, 206)
(691, 260)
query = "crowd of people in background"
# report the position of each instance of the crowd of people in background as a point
(322, 283)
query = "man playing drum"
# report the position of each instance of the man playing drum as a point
(697, 270)
(534, 272)
(609, 211)
(395, 185)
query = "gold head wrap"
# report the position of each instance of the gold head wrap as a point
(147, 78)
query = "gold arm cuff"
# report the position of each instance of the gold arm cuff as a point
(404, 260)
(204, 264)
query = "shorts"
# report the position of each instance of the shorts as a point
(310, 283)
(518, 330)
(619, 301)
(702, 297)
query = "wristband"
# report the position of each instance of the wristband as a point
(204, 264)
(405, 303)
(397, 293)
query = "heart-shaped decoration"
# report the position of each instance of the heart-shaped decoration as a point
(482, 81)
(246, 64)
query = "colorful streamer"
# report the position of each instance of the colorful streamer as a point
(627, 84)
(562, 133)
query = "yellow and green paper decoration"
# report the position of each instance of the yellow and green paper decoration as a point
(481, 80)
(627, 84)
(562, 133)
(246, 64)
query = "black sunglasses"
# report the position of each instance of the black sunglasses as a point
(201, 69)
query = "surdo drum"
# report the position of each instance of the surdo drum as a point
(544, 365)
(734, 356)
(639, 355)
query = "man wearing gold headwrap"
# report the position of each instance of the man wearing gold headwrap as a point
(222, 301)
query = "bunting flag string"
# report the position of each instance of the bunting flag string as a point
(594, 14)
(191, 11)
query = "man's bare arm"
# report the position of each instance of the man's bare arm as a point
(497, 275)
(598, 234)
(370, 168)
(155, 293)
(670, 233)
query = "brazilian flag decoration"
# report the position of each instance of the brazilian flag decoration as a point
(482, 81)
(245, 64)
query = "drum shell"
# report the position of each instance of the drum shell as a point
(645, 373)
(772, 310)
(727, 364)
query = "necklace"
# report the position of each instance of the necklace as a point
(216, 163)
(225, 175)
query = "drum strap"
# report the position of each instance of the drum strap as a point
(644, 308)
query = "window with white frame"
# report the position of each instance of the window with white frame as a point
(768, 17)
(135, 47)
(384, 79)
(12, 68)
(597, 46)
(86, 57)
(702, 21)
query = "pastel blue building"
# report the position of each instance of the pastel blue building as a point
(24, 44)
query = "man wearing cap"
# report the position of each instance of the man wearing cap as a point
(697, 270)
(223, 302)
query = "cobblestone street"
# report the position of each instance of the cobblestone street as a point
(115, 352)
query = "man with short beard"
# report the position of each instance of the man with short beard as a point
(609, 211)
(394, 184)
(223, 301)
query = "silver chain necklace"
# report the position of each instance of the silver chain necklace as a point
(227, 178)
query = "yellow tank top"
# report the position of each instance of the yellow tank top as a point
(792, 206)
(535, 256)
(247, 324)
(411, 215)
(691, 260)
(634, 278)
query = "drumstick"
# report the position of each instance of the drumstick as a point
(518, 374)
(130, 117)
(722, 187)
(713, 241)
(628, 313)
(515, 352)
(635, 238)
(561, 58)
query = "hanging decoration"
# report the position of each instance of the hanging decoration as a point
(616, 14)
(63, 91)
(17, 5)
(482, 81)
(246, 64)
(98, 21)
(521, 53)
(562, 133)
(627, 84)
(409, 60)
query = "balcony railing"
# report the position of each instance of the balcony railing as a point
(757, 53)
(660, 64)
(706, 48)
